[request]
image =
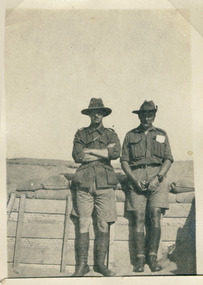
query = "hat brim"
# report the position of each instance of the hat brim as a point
(138, 111)
(106, 111)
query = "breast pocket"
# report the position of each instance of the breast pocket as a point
(158, 149)
(137, 148)
(103, 142)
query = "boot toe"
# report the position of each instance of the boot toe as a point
(139, 265)
(104, 271)
(156, 267)
(138, 269)
(153, 265)
(81, 270)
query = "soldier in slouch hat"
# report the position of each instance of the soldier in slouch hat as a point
(146, 158)
(94, 182)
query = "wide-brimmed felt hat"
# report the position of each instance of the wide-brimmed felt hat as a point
(96, 104)
(146, 106)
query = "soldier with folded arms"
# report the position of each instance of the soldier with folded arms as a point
(94, 182)
(146, 158)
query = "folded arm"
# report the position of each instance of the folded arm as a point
(99, 153)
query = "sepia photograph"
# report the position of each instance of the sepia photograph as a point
(99, 130)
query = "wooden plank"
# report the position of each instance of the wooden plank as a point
(42, 226)
(45, 251)
(51, 226)
(55, 231)
(58, 207)
(10, 205)
(170, 233)
(38, 225)
(65, 239)
(42, 206)
(179, 222)
(175, 210)
(121, 221)
(169, 228)
(19, 232)
(178, 210)
(120, 196)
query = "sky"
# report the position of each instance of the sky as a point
(57, 60)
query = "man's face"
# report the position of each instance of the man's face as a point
(96, 116)
(147, 118)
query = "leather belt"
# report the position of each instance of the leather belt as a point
(133, 167)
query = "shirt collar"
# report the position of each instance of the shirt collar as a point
(100, 129)
(140, 129)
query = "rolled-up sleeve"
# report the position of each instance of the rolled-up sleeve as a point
(78, 146)
(114, 151)
(125, 150)
(167, 152)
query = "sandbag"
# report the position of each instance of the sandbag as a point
(52, 194)
(56, 182)
(30, 185)
(174, 188)
(186, 181)
(185, 197)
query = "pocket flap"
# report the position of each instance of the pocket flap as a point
(103, 140)
(135, 140)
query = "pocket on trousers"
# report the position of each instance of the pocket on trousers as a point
(111, 177)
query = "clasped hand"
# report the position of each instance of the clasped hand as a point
(142, 186)
(153, 184)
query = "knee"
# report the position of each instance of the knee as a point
(84, 224)
(155, 217)
(139, 219)
(102, 226)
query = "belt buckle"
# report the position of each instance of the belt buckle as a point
(144, 166)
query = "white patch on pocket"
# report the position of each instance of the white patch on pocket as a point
(160, 138)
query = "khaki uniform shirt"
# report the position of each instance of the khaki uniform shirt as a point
(150, 148)
(100, 172)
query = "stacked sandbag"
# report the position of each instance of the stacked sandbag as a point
(54, 187)
(29, 187)
(185, 184)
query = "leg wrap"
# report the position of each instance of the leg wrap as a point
(102, 242)
(83, 246)
(154, 240)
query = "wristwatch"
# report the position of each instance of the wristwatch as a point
(160, 178)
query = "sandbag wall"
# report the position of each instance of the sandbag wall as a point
(47, 238)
